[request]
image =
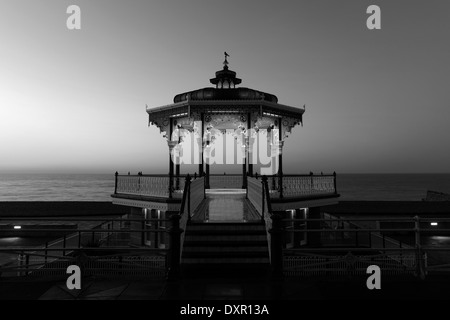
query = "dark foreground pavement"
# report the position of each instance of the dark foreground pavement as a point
(226, 283)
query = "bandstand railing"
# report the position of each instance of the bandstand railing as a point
(258, 193)
(301, 185)
(193, 195)
(285, 186)
(150, 185)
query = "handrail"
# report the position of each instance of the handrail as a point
(274, 233)
(300, 185)
(185, 195)
(266, 194)
(177, 232)
(152, 185)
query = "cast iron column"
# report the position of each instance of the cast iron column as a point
(244, 174)
(207, 186)
(177, 165)
(170, 159)
(280, 158)
(200, 165)
(250, 164)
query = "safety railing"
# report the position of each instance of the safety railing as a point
(340, 267)
(149, 185)
(411, 249)
(102, 250)
(301, 186)
(193, 195)
(274, 231)
(255, 193)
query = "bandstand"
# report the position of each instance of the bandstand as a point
(257, 126)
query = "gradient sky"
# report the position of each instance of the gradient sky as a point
(74, 101)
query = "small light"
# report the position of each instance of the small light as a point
(434, 223)
(17, 227)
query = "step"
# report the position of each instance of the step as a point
(228, 242)
(226, 270)
(229, 222)
(219, 261)
(225, 226)
(232, 254)
(231, 232)
(224, 237)
(225, 249)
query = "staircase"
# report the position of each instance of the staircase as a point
(225, 243)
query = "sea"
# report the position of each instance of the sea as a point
(99, 187)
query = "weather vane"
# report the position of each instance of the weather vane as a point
(226, 61)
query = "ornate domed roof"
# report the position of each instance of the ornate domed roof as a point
(225, 89)
(225, 94)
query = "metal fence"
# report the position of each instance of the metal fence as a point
(319, 265)
(300, 186)
(421, 258)
(109, 238)
(153, 185)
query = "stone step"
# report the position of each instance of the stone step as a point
(225, 226)
(232, 254)
(224, 249)
(228, 242)
(224, 237)
(230, 232)
(227, 260)
(226, 270)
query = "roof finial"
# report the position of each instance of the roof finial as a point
(225, 63)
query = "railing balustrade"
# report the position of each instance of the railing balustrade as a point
(193, 195)
(149, 185)
(255, 193)
(294, 186)
(110, 238)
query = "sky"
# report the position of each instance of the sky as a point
(377, 101)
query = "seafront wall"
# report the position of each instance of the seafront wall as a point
(389, 208)
(60, 209)
(97, 208)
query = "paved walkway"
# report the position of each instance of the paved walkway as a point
(227, 205)
(223, 288)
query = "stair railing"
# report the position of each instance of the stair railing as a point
(176, 232)
(274, 231)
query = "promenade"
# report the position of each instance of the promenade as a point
(237, 287)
